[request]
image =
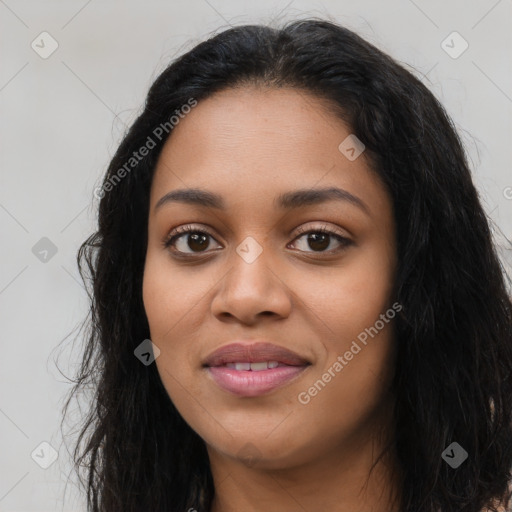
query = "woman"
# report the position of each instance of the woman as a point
(296, 302)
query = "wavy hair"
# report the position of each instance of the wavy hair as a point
(453, 380)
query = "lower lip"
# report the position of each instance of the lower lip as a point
(250, 383)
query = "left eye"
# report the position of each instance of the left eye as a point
(320, 239)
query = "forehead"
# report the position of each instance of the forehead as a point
(256, 142)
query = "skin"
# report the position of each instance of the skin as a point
(249, 145)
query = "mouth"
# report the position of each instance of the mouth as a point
(253, 369)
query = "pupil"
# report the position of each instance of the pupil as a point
(318, 238)
(200, 239)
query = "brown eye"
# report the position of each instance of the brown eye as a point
(188, 240)
(318, 241)
(321, 240)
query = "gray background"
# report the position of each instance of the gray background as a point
(62, 117)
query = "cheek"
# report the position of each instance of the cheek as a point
(165, 306)
(348, 303)
(349, 298)
(174, 301)
(172, 296)
(351, 382)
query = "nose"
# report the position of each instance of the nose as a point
(251, 290)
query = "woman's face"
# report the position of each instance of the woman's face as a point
(254, 274)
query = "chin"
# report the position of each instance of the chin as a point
(260, 452)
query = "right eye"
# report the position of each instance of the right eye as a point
(186, 238)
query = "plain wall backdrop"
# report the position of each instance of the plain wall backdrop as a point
(63, 114)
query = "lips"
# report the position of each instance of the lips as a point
(258, 352)
(253, 369)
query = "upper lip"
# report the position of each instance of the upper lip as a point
(253, 352)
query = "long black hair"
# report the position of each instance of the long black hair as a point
(453, 380)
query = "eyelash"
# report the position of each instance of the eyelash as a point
(189, 228)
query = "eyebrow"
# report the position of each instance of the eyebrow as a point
(288, 200)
